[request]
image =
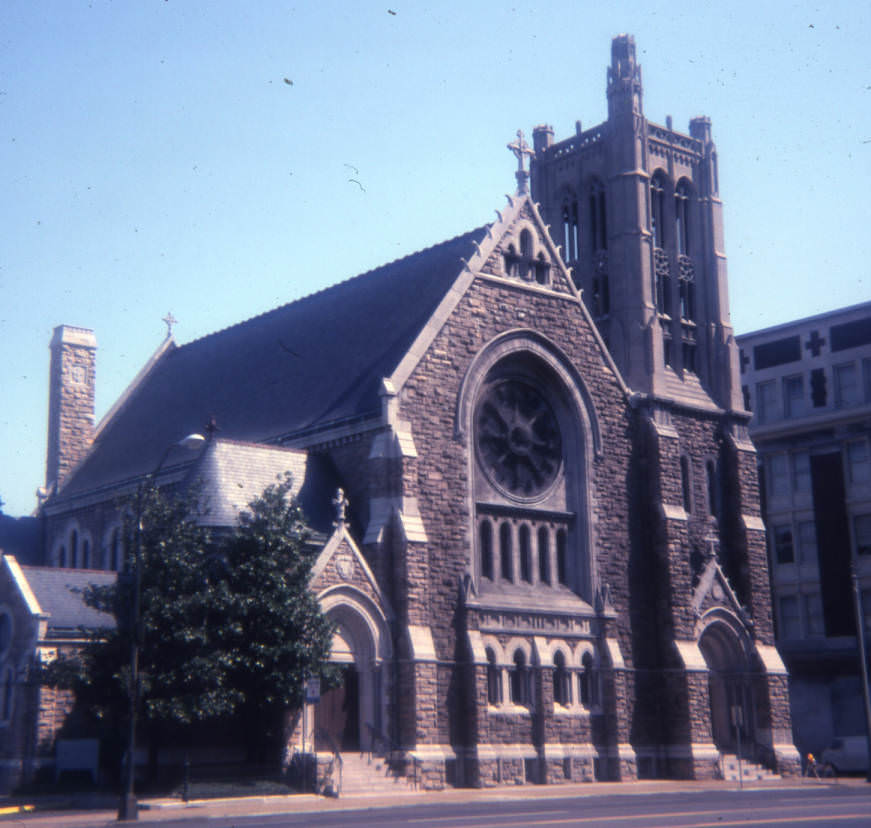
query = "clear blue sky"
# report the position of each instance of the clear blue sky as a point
(154, 159)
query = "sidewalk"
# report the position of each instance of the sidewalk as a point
(157, 810)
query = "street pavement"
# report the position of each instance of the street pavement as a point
(270, 809)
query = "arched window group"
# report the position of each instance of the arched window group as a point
(526, 265)
(574, 687)
(596, 220)
(75, 551)
(529, 551)
(678, 217)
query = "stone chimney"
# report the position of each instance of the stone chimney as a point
(72, 377)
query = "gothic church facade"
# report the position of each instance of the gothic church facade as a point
(552, 563)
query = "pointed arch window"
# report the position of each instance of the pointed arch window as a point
(485, 531)
(587, 682)
(562, 688)
(682, 217)
(74, 549)
(86, 554)
(525, 554)
(520, 694)
(571, 233)
(494, 679)
(685, 483)
(598, 217)
(561, 562)
(115, 550)
(506, 552)
(713, 487)
(543, 555)
(657, 205)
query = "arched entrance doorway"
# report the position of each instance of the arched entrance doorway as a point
(730, 689)
(350, 714)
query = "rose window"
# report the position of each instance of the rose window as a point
(518, 439)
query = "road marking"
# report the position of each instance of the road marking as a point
(490, 816)
(581, 820)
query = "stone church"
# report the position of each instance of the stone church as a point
(546, 562)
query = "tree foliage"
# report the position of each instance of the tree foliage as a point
(228, 626)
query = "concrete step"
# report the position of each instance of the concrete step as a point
(749, 771)
(362, 775)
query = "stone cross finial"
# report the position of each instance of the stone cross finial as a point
(341, 504)
(521, 149)
(170, 320)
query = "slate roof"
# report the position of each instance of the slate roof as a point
(308, 363)
(58, 592)
(232, 474)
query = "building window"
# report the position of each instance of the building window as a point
(819, 395)
(807, 541)
(793, 396)
(778, 475)
(86, 554)
(713, 488)
(571, 237)
(115, 550)
(866, 379)
(766, 401)
(561, 552)
(801, 472)
(784, 551)
(562, 687)
(813, 613)
(494, 679)
(657, 203)
(62, 556)
(685, 483)
(598, 225)
(682, 216)
(862, 532)
(525, 554)
(74, 549)
(587, 689)
(485, 531)
(543, 555)
(790, 618)
(520, 679)
(846, 385)
(858, 462)
(506, 552)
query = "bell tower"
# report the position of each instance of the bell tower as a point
(636, 208)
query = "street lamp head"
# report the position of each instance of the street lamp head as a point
(192, 442)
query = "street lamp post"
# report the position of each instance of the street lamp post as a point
(128, 808)
(863, 658)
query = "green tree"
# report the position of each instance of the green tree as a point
(273, 633)
(228, 628)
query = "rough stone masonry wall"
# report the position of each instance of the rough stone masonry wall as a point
(71, 408)
(428, 401)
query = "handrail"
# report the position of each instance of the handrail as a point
(379, 735)
(337, 757)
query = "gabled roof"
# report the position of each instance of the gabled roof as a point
(59, 595)
(316, 361)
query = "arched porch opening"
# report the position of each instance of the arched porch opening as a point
(349, 715)
(730, 689)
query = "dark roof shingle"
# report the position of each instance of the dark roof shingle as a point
(314, 361)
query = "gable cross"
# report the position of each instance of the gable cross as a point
(815, 343)
(521, 149)
(170, 320)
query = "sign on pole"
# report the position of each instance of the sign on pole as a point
(313, 690)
